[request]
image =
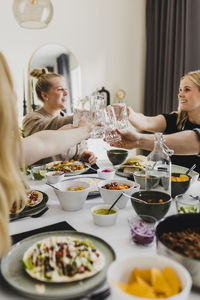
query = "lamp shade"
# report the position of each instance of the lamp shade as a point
(33, 14)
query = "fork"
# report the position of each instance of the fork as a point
(98, 296)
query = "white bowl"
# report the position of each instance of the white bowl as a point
(72, 200)
(109, 196)
(106, 175)
(104, 220)
(54, 176)
(120, 271)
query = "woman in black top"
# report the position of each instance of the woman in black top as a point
(186, 118)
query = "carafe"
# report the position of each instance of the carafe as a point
(158, 166)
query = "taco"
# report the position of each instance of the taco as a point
(63, 259)
(133, 164)
(33, 198)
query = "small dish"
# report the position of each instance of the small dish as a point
(142, 229)
(106, 173)
(54, 176)
(186, 204)
(104, 219)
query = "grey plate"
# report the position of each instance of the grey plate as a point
(12, 270)
(48, 167)
(175, 169)
(30, 210)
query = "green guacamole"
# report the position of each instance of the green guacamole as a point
(103, 211)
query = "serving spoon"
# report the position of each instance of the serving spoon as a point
(123, 194)
(53, 186)
(191, 169)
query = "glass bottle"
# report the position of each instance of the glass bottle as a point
(158, 166)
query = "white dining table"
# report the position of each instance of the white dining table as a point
(117, 236)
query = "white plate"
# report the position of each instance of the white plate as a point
(49, 165)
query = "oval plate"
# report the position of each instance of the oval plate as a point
(78, 172)
(12, 270)
(30, 210)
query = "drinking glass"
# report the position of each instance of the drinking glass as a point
(121, 115)
(82, 110)
(110, 125)
(97, 106)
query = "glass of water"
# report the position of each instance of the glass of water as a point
(110, 125)
(121, 115)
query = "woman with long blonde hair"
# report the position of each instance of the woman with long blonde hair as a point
(16, 152)
(186, 118)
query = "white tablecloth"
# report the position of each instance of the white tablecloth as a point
(117, 236)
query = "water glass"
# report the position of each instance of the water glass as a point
(121, 115)
(97, 106)
(79, 113)
(110, 125)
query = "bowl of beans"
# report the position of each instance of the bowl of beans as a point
(110, 190)
(178, 237)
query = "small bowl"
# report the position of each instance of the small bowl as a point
(117, 156)
(106, 173)
(109, 196)
(139, 177)
(69, 199)
(179, 223)
(155, 208)
(142, 229)
(187, 204)
(104, 220)
(179, 187)
(38, 172)
(54, 176)
(120, 271)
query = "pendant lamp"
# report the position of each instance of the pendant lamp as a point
(33, 14)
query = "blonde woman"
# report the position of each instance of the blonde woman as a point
(187, 117)
(35, 147)
(51, 91)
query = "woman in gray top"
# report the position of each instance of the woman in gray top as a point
(51, 90)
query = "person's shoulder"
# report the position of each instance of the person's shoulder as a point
(171, 116)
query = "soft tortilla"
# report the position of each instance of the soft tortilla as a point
(36, 202)
(97, 266)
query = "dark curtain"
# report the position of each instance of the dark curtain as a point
(173, 49)
(64, 69)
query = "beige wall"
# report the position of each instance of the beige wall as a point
(106, 36)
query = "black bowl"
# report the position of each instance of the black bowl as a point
(171, 249)
(179, 187)
(155, 208)
(117, 156)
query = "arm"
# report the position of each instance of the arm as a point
(144, 123)
(34, 122)
(52, 142)
(183, 143)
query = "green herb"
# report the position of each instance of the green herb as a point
(187, 209)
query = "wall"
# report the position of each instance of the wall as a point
(106, 36)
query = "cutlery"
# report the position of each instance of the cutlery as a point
(53, 186)
(137, 199)
(40, 213)
(89, 166)
(33, 215)
(114, 204)
(191, 169)
(98, 296)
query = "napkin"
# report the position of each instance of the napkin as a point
(53, 227)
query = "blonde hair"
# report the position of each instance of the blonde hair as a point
(11, 183)
(44, 81)
(183, 115)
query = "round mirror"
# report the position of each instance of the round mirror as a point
(58, 60)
